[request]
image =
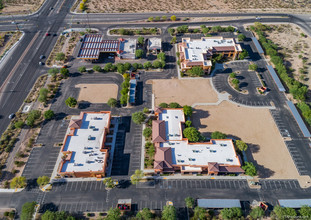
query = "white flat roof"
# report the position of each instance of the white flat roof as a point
(173, 119)
(220, 151)
(86, 143)
(196, 47)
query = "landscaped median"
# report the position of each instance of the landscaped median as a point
(7, 40)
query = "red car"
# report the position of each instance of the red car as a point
(47, 34)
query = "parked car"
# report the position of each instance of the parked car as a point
(42, 57)
(11, 116)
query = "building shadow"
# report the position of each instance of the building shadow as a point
(197, 115)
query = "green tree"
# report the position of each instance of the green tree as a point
(146, 110)
(49, 114)
(147, 65)
(174, 40)
(150, 19)
(189, 202)
(127, 66)
(283, 212)
(249, 169)
(230, 213)
(97, 68)
(164, 17)
(112, 102)
(157, 18)
(156, 64)
(182, 29)
(137, 176)
(162, 64)
(139, 53)
(43, 94)
(192, 134)
(1, 5)
(43, 180)
(27, 210)
(241, 145)
(161, 56)
(169, 213)
(19, 124)
(147, 132)
(218, 135)
(108, 67)
(187, 110)
(124, 99)
(257, 212)
(109, 183)
(32, 117)
(145, 214)
(18, 182)
(196, 71)
(53, 71)
(173, 18)
(305, 211)
(232, 75)
(163, 105)
(138, 117)
(243, 54)
(171, 31)
(114, 214)
(241, 37)
(60, 56)
(205, 30)
(174, 105)
(141, 40)
(252, 67)
(82, 69)
(64, 72)
(71, 102)
(135, 66)
(188, 123)
(199, 213)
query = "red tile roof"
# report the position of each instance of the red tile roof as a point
(213, 167)
(224, 48)
(75, 123)
(227, 169)
(158, 131)
(163, 159)
(158, 110)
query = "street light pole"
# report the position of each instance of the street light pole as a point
(15, 23)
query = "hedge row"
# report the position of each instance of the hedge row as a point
(297, 89)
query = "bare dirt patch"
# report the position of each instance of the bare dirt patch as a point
(184, 92)
(295, 46)
(21, 6)
(7, 40)
(97, 93)
(254, 126)
(98, 6)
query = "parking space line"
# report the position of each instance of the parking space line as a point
(66, 186)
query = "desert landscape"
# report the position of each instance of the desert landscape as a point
(295, 46)
(184, 92)
(109, 6)
(254, 126)
(21, 6)
(90, 92)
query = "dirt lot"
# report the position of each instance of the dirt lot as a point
(196, 5)
(97, 93)
(7, 40)
(296, 49)
(21, 6)
(185, 92)
(257, 128)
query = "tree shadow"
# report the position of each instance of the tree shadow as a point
(84, 104)
(197, 115)
(48, 206)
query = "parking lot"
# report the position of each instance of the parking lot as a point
(279, 184)
(297, 157)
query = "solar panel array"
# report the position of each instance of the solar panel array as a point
(93, 44)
